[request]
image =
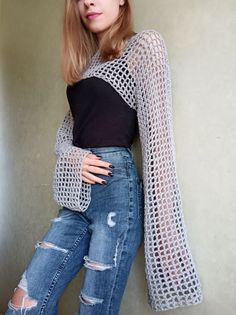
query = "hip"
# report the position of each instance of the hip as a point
(121, 158)
(124, 189)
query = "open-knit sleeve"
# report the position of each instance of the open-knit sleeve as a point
(170, 269)
(69, 189)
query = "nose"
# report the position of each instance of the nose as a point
(88, 2)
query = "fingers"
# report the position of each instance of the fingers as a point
(92, 177)
(97, 170)
(94, 164)
(93, 160)
(85, 179)
(93, 156)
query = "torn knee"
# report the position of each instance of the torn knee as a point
(20, 297)
(96, 265)
(85, 299)
(46, 245)
(21, 300)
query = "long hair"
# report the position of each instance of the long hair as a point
(79, 44)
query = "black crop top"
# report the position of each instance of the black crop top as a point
(101, 116)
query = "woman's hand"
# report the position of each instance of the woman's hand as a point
(93, 164)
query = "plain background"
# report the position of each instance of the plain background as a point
(200, 38)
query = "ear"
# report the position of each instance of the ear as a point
(122, 2)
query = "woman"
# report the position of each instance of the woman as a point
(118, 84)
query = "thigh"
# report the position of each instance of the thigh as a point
(117, 232)
(57, 258)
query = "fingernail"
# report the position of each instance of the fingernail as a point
(104, 182)
(112, 166)
(110, 174)
(99, 155)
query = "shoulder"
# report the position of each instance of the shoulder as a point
(147, 43)
(147, 50)
(149, 38)
(149, 34)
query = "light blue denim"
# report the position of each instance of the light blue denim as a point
(104, 239)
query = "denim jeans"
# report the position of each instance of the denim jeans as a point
(104, 239)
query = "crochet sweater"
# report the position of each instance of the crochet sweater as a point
(141, 75)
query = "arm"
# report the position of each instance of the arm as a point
(69, 189)
(64, 135)
(170, 266)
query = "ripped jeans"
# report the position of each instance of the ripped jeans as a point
(104, 239)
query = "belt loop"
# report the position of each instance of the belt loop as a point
(130, 151)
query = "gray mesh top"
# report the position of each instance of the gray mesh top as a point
(170, 270)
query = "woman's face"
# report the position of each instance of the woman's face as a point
(108, 12)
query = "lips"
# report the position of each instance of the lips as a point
(92, 15)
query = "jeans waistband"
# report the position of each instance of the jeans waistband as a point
(110, 149)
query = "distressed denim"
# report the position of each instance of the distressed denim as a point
(104, 239)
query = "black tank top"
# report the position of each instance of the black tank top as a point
(101, 116)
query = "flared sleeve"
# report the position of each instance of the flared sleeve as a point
(69, 190)
(170, 270)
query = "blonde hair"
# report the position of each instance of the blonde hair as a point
(79, 44)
